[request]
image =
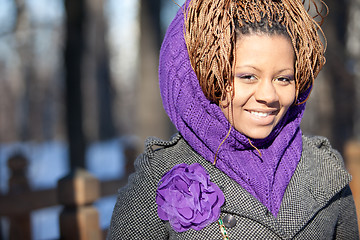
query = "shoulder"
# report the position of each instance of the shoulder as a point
(155, 146)
(319, 148)
(330, 175)
(317, 142)
(136, 200)
(323, 166)
(161, 155)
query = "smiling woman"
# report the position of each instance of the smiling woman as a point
(234, 78)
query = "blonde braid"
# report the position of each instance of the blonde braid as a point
(209, 38)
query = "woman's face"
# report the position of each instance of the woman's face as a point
(264, 86)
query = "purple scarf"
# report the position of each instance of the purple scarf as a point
(203, 125)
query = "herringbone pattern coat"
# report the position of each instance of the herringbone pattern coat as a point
(317, 203)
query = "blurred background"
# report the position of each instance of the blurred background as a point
(79, 90)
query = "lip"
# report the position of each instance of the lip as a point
(263, 111)
(262, 116)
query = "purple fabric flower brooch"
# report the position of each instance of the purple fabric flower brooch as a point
(187, 198)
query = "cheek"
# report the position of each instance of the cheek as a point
(242, 94)
(286, 95)
(287, 99)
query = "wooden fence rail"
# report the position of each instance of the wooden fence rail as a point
(14, 204)
(76, 192)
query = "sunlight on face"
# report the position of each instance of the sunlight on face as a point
(264, 85)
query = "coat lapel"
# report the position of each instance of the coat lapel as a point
(240, 202)
(319, 176)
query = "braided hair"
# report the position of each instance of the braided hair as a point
(212, 27)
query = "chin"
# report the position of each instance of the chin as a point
(257, 134)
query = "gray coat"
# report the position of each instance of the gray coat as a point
(317, 204)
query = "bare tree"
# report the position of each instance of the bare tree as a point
(88, 85)
(73, 61)
(98, 92)
(353, 49)
(151, 118)
(24, 50)
(330, 111)
(342, 81)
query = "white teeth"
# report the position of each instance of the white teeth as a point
(260, 114)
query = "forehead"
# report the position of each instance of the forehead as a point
(257, 49)
(262, 40)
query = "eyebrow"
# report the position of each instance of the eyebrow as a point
(257, 69)
(247, 66)
(287, 69)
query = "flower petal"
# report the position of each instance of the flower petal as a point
(186, 212)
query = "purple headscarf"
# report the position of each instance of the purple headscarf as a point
(204, 126)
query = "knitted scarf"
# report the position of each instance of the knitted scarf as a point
(204, 126)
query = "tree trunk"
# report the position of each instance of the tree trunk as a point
(330, 111)
(99, 122)
(24, 49)
(341, 80)
(73, 58)
(151, 117)
(353, 49)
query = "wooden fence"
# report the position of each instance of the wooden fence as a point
(76, 192)
(79, 190)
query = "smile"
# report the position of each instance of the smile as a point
(260, 114)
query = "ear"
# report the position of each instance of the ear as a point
(227, 97)
(229, 88)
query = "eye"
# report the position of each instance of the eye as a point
(247, 77)
(284, 80)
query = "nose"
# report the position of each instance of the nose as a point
(266, 92)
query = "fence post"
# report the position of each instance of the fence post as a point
(79, 218)
(18, 184)
(352, 161)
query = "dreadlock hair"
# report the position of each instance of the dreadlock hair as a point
(212, 27)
